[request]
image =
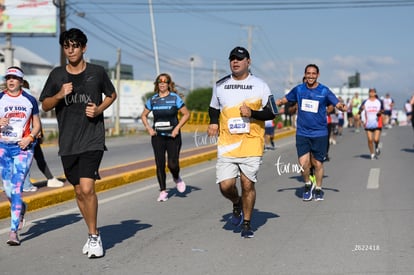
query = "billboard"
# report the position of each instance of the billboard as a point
(28, 17)
(130, 98)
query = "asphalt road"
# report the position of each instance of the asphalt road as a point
(364, 225)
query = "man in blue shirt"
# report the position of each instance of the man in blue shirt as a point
(312, 130)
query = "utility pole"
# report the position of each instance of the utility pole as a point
(118, 89)
(214, 72)
(62, 19)
(290, 81)
(8, 51)
(154, 38)
(249, 38)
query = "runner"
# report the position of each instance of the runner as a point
(19, 125)
(373, 108)
(240, 104)
(312, 129)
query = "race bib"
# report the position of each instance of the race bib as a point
(309, 105)
(11, 134)
(163, 128)
(162, 124)
(239, 125)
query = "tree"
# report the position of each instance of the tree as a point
(147, 96)
(199, 99)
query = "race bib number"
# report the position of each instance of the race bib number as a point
(11, 134)
(163, 127)
(239, 125)
(161, 124)
(309, 105)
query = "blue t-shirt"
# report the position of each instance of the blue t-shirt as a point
(312, 103)
(165, 111)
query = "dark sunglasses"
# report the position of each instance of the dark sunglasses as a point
(237, 58)
(163, 81)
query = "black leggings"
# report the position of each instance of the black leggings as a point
(329, 137)
(41, 162)
(412, 120)
(171, 146)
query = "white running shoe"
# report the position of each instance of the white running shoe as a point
(163, 196)
(180, 185)
(95, 247)
(30, 189)
(54, 182)
(85, 248)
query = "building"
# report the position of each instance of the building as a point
(31, 63)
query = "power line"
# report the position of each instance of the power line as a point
(236, 6)
(137, 45)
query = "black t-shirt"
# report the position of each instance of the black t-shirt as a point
(165, 111)
(77, 132)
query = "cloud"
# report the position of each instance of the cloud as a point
(363, 62)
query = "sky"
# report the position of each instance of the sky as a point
(374, 38)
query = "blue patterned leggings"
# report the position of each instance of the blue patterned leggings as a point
(15, 164)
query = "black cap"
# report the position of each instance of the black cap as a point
(240, 53)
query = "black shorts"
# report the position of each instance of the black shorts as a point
(373, 129)
(83, 165)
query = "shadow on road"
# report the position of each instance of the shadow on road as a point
(259, 218)
(117, 233)
(363, 156)
(173, 192)
(111, 234)
(44, 226)
(299, 190)
(408, 150)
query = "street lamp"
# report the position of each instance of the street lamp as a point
(191, 74)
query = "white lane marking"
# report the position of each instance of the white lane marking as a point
(102, 201)
(373, 178)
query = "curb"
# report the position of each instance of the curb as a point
(66, 193)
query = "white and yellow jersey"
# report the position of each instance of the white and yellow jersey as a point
(240, 136)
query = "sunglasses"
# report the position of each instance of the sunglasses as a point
(237, 58)
(163, 81)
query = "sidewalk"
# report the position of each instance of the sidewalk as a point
(116, 176)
